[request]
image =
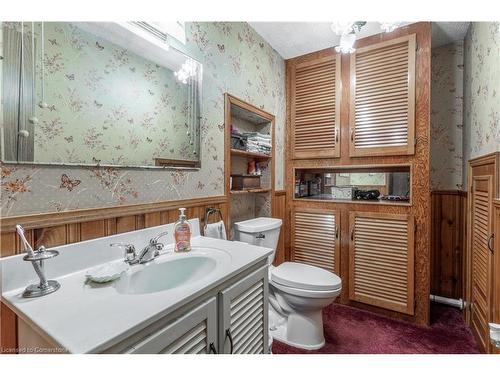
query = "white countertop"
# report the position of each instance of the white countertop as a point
(85, 318)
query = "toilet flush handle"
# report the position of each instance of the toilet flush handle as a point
(260, 236)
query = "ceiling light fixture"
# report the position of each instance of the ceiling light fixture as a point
(187, 70)
(346, 43)
(389, 27)
(347, 32)
(341, 28)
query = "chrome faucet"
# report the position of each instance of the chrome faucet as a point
(150, 252)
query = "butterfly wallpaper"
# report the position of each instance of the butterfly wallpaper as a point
(235, 59)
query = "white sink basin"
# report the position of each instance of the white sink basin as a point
(174, 271)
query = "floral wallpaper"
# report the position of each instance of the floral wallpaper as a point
(481, 90)
(447, 70)
(90, 85)
(236, 60)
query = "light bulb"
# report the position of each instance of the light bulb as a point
(389, 27)
(346, 43)
(342, 27)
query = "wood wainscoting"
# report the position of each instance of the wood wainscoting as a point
(448, 242)
(60, 228)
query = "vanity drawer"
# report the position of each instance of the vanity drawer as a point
(192, 333)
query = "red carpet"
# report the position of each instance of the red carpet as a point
(353, 331)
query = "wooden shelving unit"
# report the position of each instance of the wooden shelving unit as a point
(251, 155)
(247, 203)
(248, 191)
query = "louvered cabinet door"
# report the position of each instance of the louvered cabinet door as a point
(192, 333)
(315, 237)
(381, 260)
(382, 111)
(315, 108)
(481, 258)
(243, 325)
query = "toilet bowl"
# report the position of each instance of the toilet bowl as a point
(298, 292)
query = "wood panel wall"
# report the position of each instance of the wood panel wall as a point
(54, 229)
(421, 202)
(279, 212)
(448, 242)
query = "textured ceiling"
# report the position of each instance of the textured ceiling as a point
(447, 32)
(291, 39)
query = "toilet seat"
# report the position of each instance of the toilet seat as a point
(305, 292)
(304, 278)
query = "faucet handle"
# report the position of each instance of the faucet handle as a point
(130, 254)
(154, 240)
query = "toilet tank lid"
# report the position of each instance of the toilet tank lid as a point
(259, 224)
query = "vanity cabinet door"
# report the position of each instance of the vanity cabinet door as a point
(243, 324)
(382, 108)
(315, 237)
(481, 258)
(315, 108)
(192, 333)
(381, 260)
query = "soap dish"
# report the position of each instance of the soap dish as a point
(107, 272)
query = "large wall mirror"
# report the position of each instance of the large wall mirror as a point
(98, 93)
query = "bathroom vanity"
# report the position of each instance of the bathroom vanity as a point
(210, 300)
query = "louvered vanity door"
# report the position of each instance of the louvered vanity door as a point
(315, 237)
(192, 333)
(382, 112)
(244, 317)
(481, 258)
(381, 260)
(315, 108)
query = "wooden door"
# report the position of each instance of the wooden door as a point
(481, 195)
(315, 237)
(243, 315)
(496, 268)
(381, 260)
(382, 108)
(315, 108)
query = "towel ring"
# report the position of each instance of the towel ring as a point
(211, 211)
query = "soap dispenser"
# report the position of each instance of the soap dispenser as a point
(182, 233)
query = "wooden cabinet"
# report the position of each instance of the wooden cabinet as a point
(483, 188)
(381, 260)
(382, 104)
(243, 327)
(496, 267)
(384, 107)
(315, 237)
(192, 333)
(233, 322)
(315, 108)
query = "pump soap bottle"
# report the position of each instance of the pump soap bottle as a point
(182, 233)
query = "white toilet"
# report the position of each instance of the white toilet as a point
(298, 292)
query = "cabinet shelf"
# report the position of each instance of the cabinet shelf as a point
(249, 154)
(248, 191)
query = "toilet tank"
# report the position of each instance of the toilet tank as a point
(261, 231)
